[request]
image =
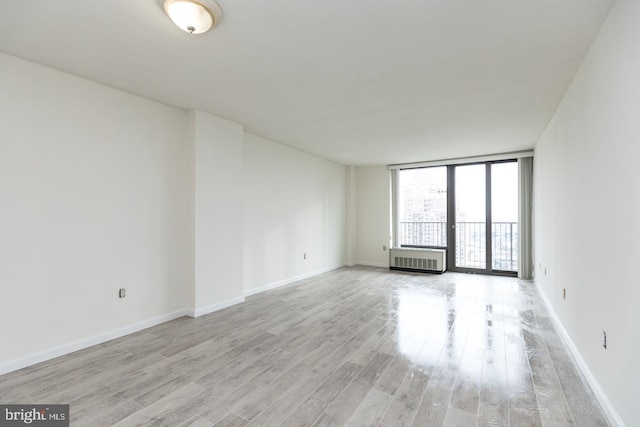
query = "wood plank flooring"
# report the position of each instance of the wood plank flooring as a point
(357, 346)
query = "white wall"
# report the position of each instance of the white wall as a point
(101, 190)
(91, 200)
(295, 203)
(587, 208)
(373, 215)
(352, 218)
(218, 212)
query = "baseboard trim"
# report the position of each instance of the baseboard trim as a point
(290, 280)
(32, 359)
(372, 264)
(606, 405)
(214, 307)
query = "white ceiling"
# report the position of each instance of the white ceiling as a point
(360, 82)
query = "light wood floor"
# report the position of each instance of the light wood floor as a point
(356, 346)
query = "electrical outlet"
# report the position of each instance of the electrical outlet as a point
(604, 339)
(122, 293)
(384, 247)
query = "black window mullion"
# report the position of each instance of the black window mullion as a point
(488, 227)
(451, 218)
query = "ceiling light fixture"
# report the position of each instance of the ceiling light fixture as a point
(193, 16)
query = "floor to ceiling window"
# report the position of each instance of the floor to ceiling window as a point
(423, 213)
(470, 217)
(469, 209)
(504, 216)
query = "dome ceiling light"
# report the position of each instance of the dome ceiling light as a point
(193, 16)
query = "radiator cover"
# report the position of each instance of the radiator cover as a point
(418, 259)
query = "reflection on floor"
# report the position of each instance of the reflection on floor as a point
(356, 346)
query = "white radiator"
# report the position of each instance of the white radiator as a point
(431, 260)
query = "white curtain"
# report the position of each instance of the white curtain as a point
(525, 212)
(395, 240)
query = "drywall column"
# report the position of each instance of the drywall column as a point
(373, 216)
(218, 150)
